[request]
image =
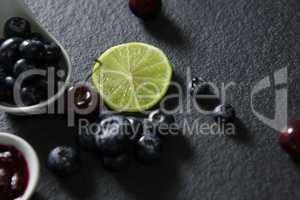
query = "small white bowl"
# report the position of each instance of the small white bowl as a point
(17, 8)
(30, 157)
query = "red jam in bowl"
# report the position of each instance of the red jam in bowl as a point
(14, 173)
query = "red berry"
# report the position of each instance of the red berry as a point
(145, 8)
(289, 139)
(84, 100)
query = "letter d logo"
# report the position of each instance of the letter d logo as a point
(281, 100)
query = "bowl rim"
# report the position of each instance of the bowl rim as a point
(27, 150)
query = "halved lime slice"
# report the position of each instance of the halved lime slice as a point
(132, 77)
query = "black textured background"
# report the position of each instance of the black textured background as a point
(221, 40)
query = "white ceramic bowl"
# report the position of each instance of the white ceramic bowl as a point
(31, 158)
(17, 8)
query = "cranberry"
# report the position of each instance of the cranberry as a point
(145, 8)
(289, 139)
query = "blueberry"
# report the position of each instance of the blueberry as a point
(196, 80)
(17, 27)
(151, 128)
(53, 53)
(9, 82)
(1, 41)
(6, 89)
(37, 36)
(157, 116)
(9, 52)
(111, 121)
(113, 139)
(145, 9)
(41, 85)
(5, 70)
(148, 148)
(163, 123)
(135, 128)
(3, 74)
(30, 96)
(63, 160)
(21, 66)
(32, 50)
(116, 163)
(224, 113)
(87, 138)
(3, 87)
(200, 87)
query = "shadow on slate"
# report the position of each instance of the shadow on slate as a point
(70, 184)
(208, 104)
(243, 135)
(159, 181)
(45, 132)
(171, 101)
(161, 27)
(37, 196)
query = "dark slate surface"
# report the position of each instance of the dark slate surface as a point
(222, 40)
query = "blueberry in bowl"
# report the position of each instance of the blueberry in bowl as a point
(34, 68)
(17, 27)
(9, 51)
(34, 50)
(22, 66)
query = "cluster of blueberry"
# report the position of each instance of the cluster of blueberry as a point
(116, 139)
(20, 51)
(119, 137)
